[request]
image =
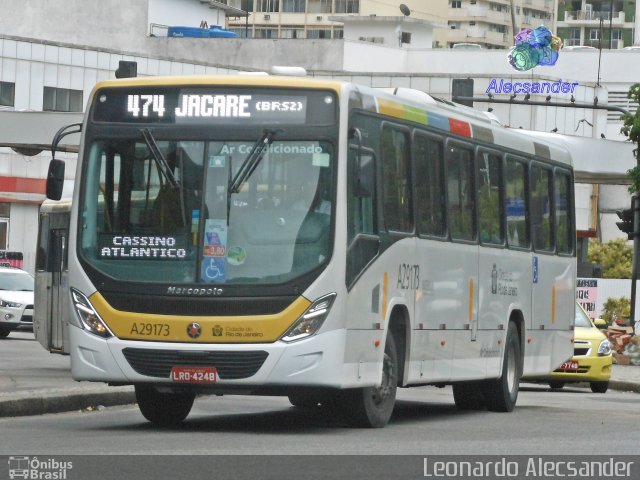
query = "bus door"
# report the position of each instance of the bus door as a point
(51, 286)
(59, 334)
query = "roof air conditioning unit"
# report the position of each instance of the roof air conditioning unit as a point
(267, 17)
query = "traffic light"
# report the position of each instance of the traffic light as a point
(626, 225)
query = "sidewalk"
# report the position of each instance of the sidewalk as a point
(35, 382)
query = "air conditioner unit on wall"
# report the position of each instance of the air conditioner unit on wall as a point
(319, 17)
(267, 17)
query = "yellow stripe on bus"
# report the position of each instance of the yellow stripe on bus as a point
(213, 329)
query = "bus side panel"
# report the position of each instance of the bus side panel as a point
(448, 278)
(553, 309)
(505, 288)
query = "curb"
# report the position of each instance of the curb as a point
(624, 386)
(63, 402)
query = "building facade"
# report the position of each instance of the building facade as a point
(490, 23)
(599, 23)
(320, 19)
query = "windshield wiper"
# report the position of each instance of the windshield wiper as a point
(253, 159)
(161, 162)
(249, 165)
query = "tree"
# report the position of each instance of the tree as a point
(631, 129)
(613, 256)
(615, 308)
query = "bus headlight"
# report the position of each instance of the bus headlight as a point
(89, 318)
(604, 348)
(311, 320)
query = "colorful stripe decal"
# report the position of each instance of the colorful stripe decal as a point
(459, 127)
(438, 121)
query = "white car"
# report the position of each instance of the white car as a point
(16, 300)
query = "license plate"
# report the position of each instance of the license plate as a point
(194, 374)
(570, 366)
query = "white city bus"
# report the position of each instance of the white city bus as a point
(315, 239)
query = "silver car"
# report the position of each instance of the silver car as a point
(16, 300)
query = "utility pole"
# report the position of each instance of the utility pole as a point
(513, 17)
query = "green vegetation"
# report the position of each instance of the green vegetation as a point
(613, 256)
(616, 308)
(631, 129)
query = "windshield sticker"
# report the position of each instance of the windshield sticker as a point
(214, 267)
(217, 161)
(236, 256)
(145, 247)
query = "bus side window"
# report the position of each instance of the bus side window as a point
(396, 189)
(541, 194)
(490, 198)
(429, 184)
(516, 201)
(460, 193)
(563, 212)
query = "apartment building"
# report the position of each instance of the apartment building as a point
(599, 23)
(318, 19)
(490, 23)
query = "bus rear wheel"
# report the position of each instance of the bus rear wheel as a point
(371, 407)
(161, 408)
(4, 332)
(501, 394)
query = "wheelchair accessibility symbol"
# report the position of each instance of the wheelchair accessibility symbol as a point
(214, 269)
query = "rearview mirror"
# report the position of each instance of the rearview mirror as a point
(55, 179)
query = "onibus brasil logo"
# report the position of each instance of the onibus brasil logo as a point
(534, 47)
(38, 469)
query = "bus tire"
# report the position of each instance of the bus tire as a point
(501, 394)
(4, 332)
(163, 409)
(469, 396)
(371, 407)
(599, 387)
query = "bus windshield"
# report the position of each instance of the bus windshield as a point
(164, 211)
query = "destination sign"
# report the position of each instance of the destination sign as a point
(213, 106)
(142, 247)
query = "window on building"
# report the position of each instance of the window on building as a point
(338, 33)
(405, 37)
(456, 3)
(293, 32)
(616, 34)
(472, 24)
(454, 25)
(5, 210)
(347, 6)
(574, 34)
(318, 6)
(62, 100)
(267, 6)
(318, 33)
(594, 34)
(293, 6)
(266, 33)
(7, 94)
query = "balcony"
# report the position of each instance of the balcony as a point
(593, 17)
(616, 44)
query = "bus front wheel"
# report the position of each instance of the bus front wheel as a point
(163, 409)
(371, 407)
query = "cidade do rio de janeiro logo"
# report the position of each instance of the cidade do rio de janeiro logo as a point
(537, 47)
